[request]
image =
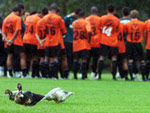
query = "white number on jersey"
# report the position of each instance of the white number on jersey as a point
(107, 31)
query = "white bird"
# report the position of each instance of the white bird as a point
(58, 95)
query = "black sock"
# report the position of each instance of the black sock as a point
(54, 70)
(120, 67)
(130, 66)
(84, 70)
(142, 69)
(114, 68)
(65, 73)
(10, 72)
(147, 69)
(42, 69)
(125, 74)
(51, 73)
(35, 68)
(46, 68)
(100, 67)
(28, 66)
(75, 69)
(24, 71)
(94, 65)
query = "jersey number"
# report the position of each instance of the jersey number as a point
(51, 30)
(29, 29)
(81, 33)
(137, 36)
(107, 31)
(10, 29)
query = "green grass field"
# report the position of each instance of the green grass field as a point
(106, 96)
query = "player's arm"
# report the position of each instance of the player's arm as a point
(145, 33)
(4, 37)
(63, 27)
(88, 28)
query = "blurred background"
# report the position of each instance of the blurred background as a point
(67, 6)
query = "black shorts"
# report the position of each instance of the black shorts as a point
(53, 51)
(135, 51)
(121, 56)
(148, 55)
(15, 49)
(62, 52)
(94, 52)
(108, 51)
(81, 54)
(41, 52)
(31, 49)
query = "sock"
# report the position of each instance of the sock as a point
(42, 69)
(100, 68)
(10, 72)
(120, 67)
(142, 69)
(35, 68)
(28, 66)
(94, 65)
(75, 68)
(125, 74)
(46, 68)
(130, 66)
(65, 73)
(84, 70)
(51, 67)
(147, 68)
(24, 71)
(114, 68)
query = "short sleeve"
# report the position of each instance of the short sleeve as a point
(88, 26)
(62, 26)
(18, 24)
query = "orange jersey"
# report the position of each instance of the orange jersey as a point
(12, 23)
(29, 34)
(134, 29)
(147, 29)
(110, 29)
(55, 27)
(121, 44)
(41, 31)
(81, 27)
(94, 21)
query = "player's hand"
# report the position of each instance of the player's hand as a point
(41, 43)
(9, 42)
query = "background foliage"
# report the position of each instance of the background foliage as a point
(67, 6)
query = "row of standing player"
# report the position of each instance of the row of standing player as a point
(81, 46)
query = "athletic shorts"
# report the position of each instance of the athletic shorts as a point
(84, 54)
(15, 49)
(135, 51)
(53, 51)
(148, 55)
(62, 52)
(31, 49)
(108, 51)
(41, 52)
(121, 56)
(94, 52)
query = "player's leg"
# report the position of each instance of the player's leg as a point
(125, 69)
(103, 52)
(113, 53)
(84, 66)
(9, 65)
(10, 51)
(35, 62)
(54, 62)
(147, 68)
(76, 65)
(65, 66)
(114, 67)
